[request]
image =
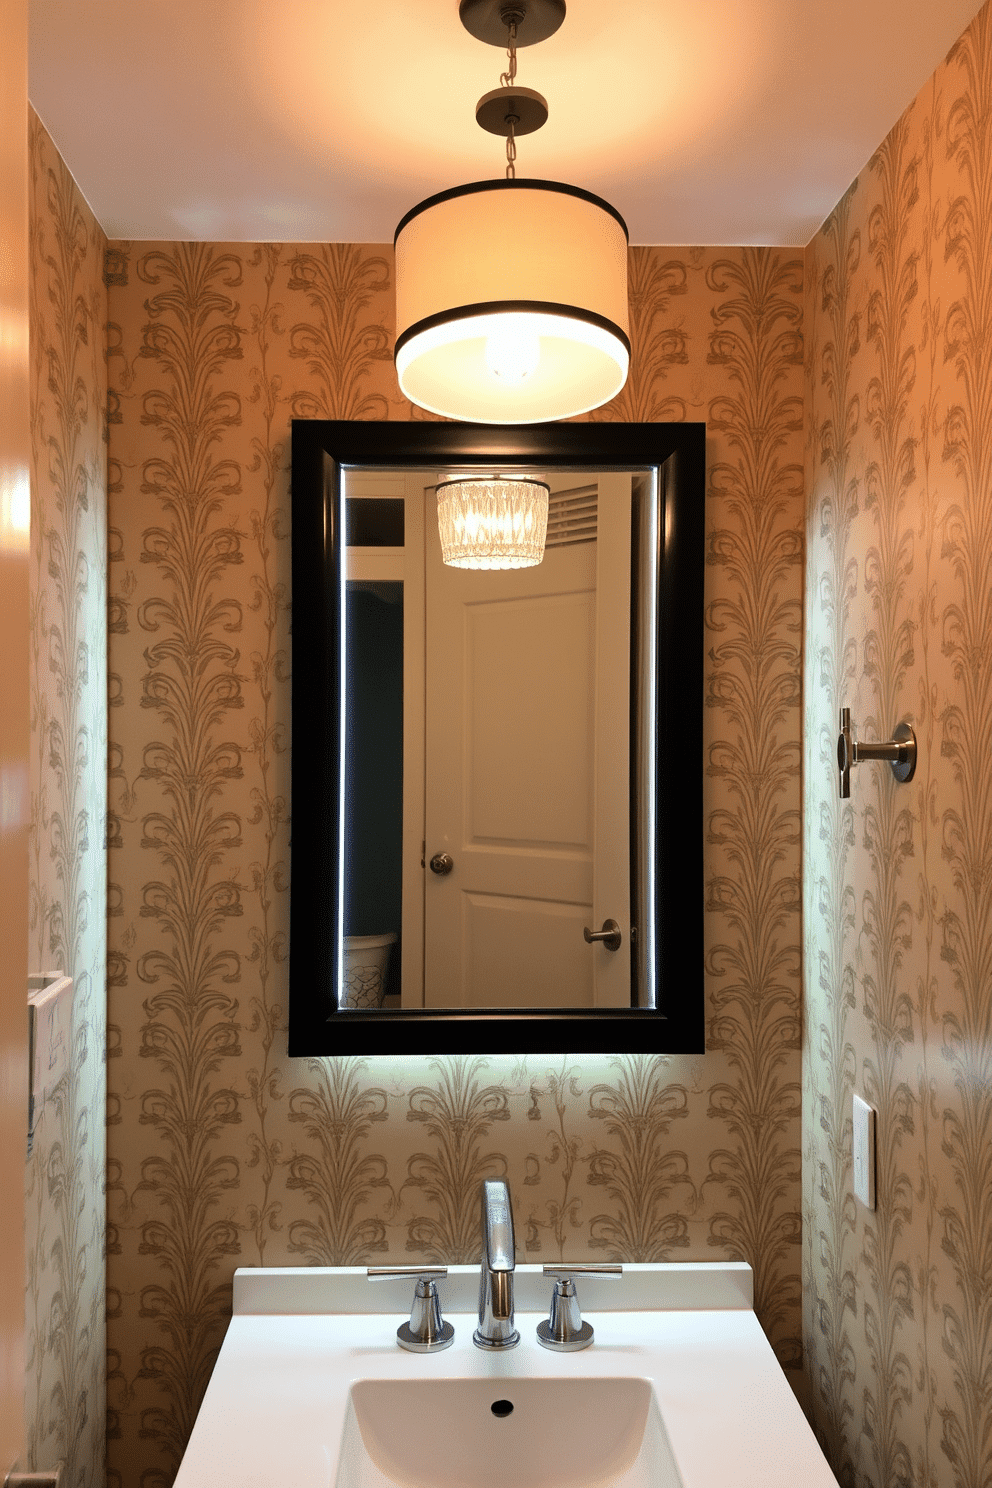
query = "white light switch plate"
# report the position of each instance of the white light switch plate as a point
(864, 1152)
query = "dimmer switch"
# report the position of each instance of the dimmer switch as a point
(864, 1152)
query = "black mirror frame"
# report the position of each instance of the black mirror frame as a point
(321, 449)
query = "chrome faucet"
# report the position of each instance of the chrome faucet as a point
(496, 1330)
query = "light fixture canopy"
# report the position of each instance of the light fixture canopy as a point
(492, 522)
(532, 20)
(511, 263)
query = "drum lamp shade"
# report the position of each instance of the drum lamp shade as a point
(511, 302)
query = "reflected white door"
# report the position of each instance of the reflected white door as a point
(527, 772)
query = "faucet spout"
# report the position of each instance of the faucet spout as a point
(496, 1328)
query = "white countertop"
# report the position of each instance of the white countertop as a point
(275, 1407)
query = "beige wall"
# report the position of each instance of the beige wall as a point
(65, 1363)
(222, 1151)
(898, 895)
(14, 807)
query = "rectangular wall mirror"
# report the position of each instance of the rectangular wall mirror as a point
(489, 767)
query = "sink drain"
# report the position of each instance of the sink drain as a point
(501, 1407)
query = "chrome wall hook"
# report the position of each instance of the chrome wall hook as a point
(899, 752)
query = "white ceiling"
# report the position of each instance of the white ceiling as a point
(702, 121)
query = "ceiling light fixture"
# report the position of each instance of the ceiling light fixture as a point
(492, 521)
(511, 295)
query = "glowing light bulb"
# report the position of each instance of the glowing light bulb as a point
(512, 353)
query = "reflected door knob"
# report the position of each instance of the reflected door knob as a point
(611, 935)
(442, 863)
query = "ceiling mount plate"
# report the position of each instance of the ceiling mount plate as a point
(488, 20)
(527, 109)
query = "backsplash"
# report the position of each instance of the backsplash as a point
(64, 1231)
(222, 1151)
(898, 1303)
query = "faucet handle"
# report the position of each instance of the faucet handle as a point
(564, 1329)
(426, 1332)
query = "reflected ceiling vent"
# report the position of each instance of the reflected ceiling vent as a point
(572, 516)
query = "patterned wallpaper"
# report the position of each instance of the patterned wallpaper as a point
(898, 1303)
(221, 1150)
(65, 1353)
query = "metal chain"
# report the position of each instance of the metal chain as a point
(508, 78)
(511, 150)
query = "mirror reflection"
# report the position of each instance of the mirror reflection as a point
(494, 771)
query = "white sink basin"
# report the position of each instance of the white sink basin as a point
(680, 1389)
(542, 1433)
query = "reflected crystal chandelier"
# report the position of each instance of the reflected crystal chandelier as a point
(492, 522)
(511, 295)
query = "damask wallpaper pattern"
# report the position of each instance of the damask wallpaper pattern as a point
(224, 1152)
(221, 1151)
(898, 910)
(65, 1364)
